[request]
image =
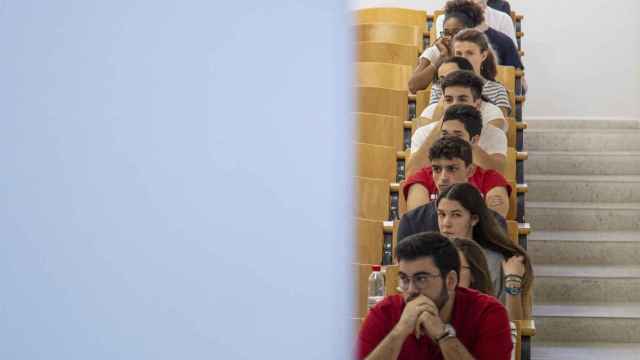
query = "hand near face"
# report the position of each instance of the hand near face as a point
(412, 310)
(429, 323)
(443, 45)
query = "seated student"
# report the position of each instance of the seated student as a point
(493, 18)
(473, 46)
(474, 274)
(451, 163)
(463, 214)
(489, 151)
(459, 15)
(500, 5)
(425, 217)
(434, 318)
(474, 270)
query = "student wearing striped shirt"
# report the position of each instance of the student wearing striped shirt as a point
(474, 46)
(492, 104)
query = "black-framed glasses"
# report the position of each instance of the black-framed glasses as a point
(449, 33)
(420, 280)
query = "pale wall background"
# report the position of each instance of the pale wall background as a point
(582, 58)
(161, 197)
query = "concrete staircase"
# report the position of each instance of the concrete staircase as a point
(584, 208)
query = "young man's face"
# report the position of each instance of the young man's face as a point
(447, 172)
(421, 277)
(455, 128)
(454, 95)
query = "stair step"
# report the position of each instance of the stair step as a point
(583, 163)
(588, 284)
(589, 310)
(556, 350)
(588, 322)
(583, 215)
(585, 247)
(582, 139)
(592, 188)
(595, 271)
(581, 124)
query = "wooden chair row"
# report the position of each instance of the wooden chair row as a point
(396, 76)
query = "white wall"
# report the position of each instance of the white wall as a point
(166, 192)
(581, 57)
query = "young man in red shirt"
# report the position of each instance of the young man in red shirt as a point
(451, 163)
(434, 319)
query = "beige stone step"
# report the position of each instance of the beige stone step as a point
(567, 284)
(588, 322)
(583, 163)
(585, 247)
(583, 216)
(583, 188)
(557, 350)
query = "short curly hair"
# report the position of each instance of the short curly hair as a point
(466, 79)
(466, 11)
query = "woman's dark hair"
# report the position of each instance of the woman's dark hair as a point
(467, 12)
(466, 79)
(462, 63)
(451, 147)
(488, 68)
(430, 244)
(480, 276)
(487, 233)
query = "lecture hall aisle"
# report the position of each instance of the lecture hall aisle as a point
(584, 208)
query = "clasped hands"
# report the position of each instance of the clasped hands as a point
(421, 315)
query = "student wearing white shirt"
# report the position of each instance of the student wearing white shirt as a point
(489, 152)
(492, 17)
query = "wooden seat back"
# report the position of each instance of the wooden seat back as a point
(387, 53)
(376, 161)
(372, 198)
(398, 16)
(378, 129)
(383, 101)
(369, 241)
(507, 77)
(389, 76)
(389, 33)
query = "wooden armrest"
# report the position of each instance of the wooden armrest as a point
(407, 124)
(522, 188)
(412, 97)
(387, 227)
(526, 327)
(521, 125)
(394, 187)
(524, 228)
(522, 155)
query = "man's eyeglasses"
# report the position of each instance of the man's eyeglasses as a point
(420, 280)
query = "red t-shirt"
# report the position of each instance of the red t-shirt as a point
(483, 180)
(480, 321)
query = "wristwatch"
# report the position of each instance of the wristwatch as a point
(449, 332)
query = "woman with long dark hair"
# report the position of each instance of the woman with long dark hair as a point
(462, 213)
(474, 271)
